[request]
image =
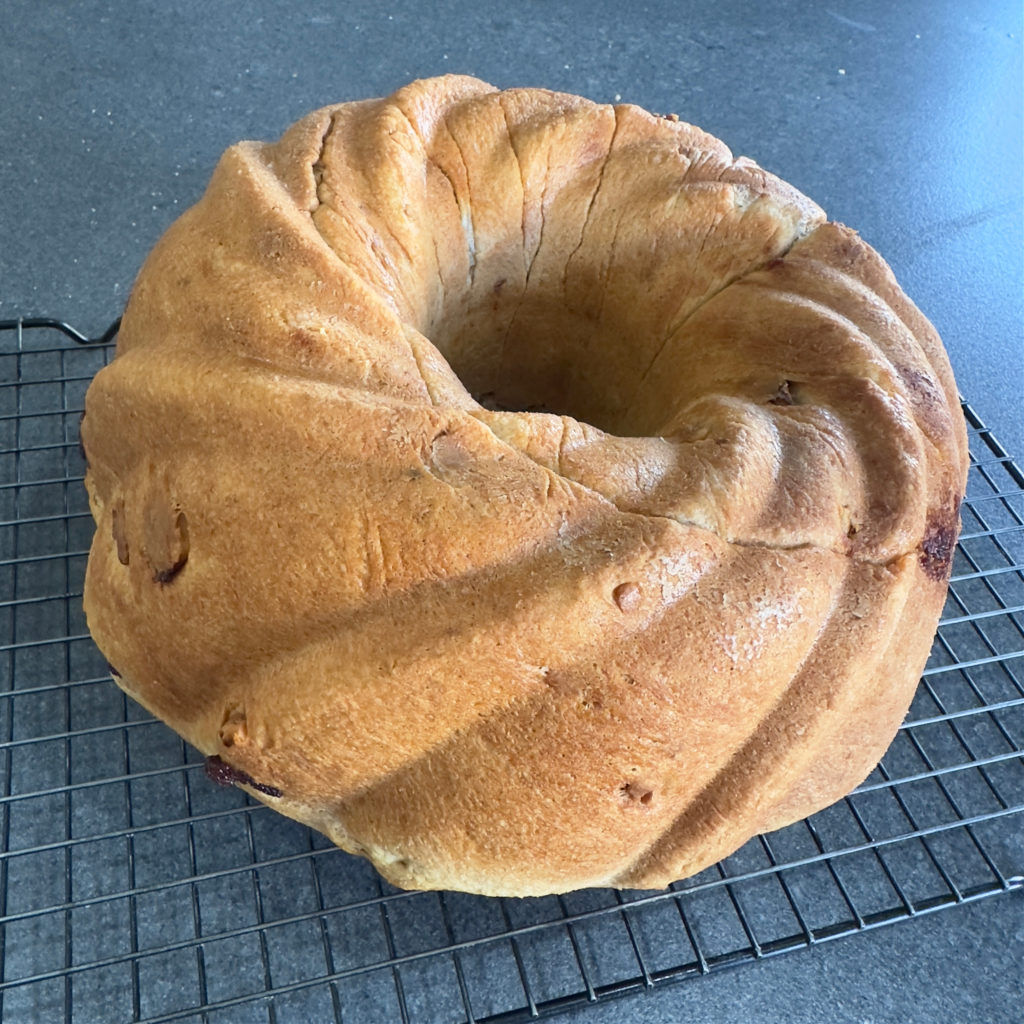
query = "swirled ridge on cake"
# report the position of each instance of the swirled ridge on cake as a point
(522, 491)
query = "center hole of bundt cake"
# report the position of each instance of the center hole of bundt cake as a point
(536, 353)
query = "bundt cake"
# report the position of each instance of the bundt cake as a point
(522, 491)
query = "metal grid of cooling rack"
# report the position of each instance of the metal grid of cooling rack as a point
(133, 889)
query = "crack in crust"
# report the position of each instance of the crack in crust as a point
(318, 167)
(771, 261)
(590, 205)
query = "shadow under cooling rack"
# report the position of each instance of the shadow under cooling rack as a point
(133, 889)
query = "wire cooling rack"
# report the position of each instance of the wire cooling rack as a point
(131, 888)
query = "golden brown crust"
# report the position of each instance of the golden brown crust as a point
(599, 642)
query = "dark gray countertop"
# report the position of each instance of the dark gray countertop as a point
(902, 120)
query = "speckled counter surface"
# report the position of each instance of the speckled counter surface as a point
(902, 120)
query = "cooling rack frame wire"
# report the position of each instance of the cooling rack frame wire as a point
(132, 888)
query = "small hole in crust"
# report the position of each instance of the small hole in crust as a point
(234, 729)
(784, 395)
(635, 792)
